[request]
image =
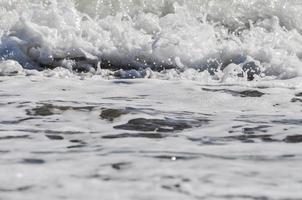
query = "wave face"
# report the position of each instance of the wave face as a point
(262, 35)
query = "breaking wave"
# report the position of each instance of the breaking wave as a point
(245, 38)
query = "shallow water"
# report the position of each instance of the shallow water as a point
(148, 139)
(135, 99)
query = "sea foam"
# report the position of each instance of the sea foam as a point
(262, 36)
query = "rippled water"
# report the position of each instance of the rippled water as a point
(149, 139)
(137, 100)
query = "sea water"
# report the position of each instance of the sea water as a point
(158, 99)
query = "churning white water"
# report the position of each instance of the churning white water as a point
(150, 99)
(204, 35)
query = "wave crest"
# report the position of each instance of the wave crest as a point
(204, 35)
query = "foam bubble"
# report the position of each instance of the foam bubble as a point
(135, 35)
(10, 67)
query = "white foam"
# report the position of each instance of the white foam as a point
(10, 67)
(184, 34)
